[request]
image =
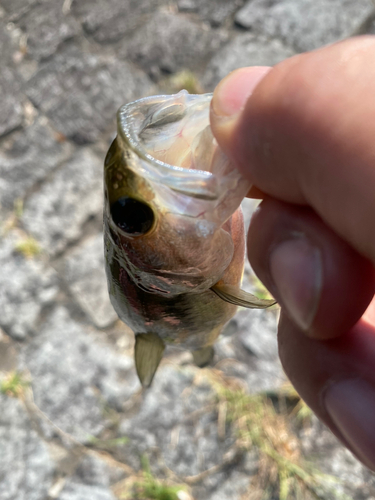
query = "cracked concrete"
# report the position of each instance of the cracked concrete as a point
(80, 427)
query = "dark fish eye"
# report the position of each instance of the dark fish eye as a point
(132, 216)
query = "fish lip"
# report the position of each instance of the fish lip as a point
(195, 183)
(126, 130)
(214, 192)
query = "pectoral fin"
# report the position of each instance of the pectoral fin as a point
(239, 297)
(148, 351)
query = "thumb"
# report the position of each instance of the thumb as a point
(303, 132)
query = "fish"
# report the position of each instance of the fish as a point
(174, 236)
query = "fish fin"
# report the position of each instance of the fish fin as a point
(239, 297)
(148, 351)
(203, 357)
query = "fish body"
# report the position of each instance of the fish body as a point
(173, 228)
(193, 318)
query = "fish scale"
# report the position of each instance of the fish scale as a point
(173, 229)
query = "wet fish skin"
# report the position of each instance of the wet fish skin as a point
(166, 246)
(192, 319)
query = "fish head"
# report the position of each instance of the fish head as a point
(169, 192)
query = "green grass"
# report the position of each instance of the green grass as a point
(28, 247)
(14, 384)
(12, 221)
(150, 488)
(301, 411)
(18, 208)
(283, 472)
(107, 443)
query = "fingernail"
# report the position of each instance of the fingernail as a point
(351, 406)
(233, 91)
(296, 270)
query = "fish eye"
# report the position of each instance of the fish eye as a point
(132, 216)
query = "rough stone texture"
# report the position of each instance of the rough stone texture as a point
(250, 338)
(96, 472)
(74, 491)
(72, 376)
(168, 43)
(16, 8)
(235, 486)
(27, 156)
(260, 338)
(6, 45)
(306, 24)
(216, 13)
(81, 92)
(11, 108)
(161, 411)
(26, 286)
(176, 418)
(259, 374)
(110, 21)
(8, 354)
(244, 50)
(56, 213)
(318, 441)
(86, 278)
(26, 470)
(47, 27)
(72, 60)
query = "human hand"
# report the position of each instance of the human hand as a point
(304, 133)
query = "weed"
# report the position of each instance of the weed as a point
(14, 384)
(151, 488)
(282, 470)
(301, 411)
(28, 247)
(147, 487)
(107, 443)
(184, 79)
(18, 208)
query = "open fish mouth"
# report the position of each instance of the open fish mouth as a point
(169, 194)
(150, 125)
(176, 152)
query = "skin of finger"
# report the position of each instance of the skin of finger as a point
(313, 365)
(369, 314)
(348, 283)
(255, 193)
(306, 136)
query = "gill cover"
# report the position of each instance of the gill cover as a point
(169, 192)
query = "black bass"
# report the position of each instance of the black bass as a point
(173, 229)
